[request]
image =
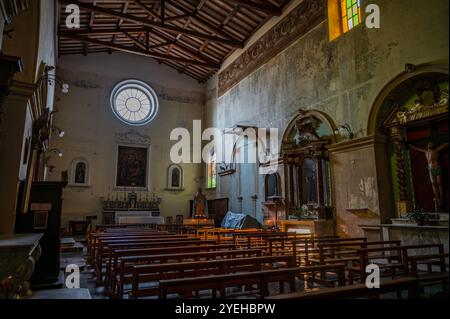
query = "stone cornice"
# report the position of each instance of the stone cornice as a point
(357, 144)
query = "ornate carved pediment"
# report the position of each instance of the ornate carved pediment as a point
(133, 137)
(306, 130)
(420, 110)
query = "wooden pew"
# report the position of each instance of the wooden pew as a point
(101, 242)
(310, 246)
(409, 284)
(430, 277)
(260, 278)
(260, 240)
(95, 239)
(398, 254)
(132, 255)
(102, 227)
(103, 252)
(344, 252)
(125, 263)
(155, 272)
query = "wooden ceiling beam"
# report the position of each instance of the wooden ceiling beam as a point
(180, 46)
(149, 23)
(147, 10)
(178, 17)
(265, 7)
(200, 20)
(141, 52)
(136, 41)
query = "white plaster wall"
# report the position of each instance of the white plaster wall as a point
(90, 127)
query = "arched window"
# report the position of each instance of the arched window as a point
(211, 170)
(174, 177)
(343, 15)
(272, 185)
(134, 102)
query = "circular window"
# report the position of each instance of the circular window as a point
(134, 102)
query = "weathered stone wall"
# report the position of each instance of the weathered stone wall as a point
(341, 78)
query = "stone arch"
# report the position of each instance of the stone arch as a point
(323, 117)
(375, 117)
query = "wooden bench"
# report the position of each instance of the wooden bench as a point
(150, 243)
(155, 272)
(409, 284)
(430, 277)
(125, 264)
(260, 240)
(310, 248)
(393, 259)
(93, 237)
(136, 254)
(345, 252)
(260, 278)
(95, 240)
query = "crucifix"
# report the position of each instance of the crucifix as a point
(434, 169)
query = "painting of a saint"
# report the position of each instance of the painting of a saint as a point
(131, 166)
(175, 177)
(80, 173)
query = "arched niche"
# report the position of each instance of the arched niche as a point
(79, 172)
(306, 164)
(412, 109)
(388, 96)
(272, 185)
(174, 177)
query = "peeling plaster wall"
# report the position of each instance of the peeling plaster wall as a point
(341, 78)
(90, 127)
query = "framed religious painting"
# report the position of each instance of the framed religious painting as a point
(132, 166)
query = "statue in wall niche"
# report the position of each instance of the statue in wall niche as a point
(434, 169)
(200, 205)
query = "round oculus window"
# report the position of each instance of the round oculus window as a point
(134, 102)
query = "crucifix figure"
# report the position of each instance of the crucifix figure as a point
(434, 169)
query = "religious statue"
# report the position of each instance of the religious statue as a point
(200, 205)
(434, 169)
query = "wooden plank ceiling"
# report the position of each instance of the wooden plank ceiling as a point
(192, 36)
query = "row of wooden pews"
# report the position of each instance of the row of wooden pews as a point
(212, 262)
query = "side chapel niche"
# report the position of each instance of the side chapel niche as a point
(418, 148)
(306, 164)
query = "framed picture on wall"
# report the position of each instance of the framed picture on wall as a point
(132, 166)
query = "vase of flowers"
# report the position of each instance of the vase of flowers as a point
(418, 216)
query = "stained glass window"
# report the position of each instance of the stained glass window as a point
(211, 170)
(350, 14)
